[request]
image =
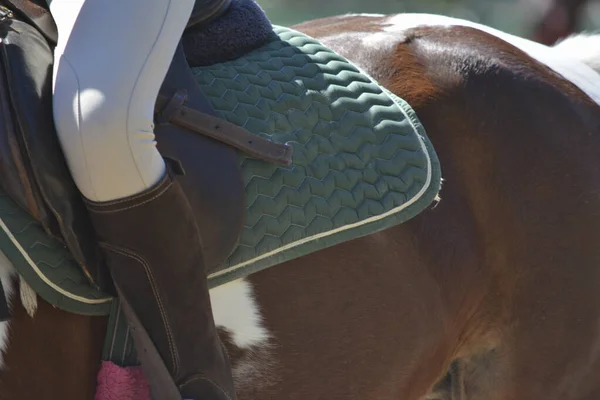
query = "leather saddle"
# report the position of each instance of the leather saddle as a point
(33, 170)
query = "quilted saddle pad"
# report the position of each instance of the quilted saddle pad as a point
(362, 161)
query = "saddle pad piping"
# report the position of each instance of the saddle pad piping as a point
(43, 277)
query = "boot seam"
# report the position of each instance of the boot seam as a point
(201, 377)
(115, 210)
(150, 276)
(224, 348)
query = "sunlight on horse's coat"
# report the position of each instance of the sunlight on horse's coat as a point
(380, 40)
(566, 64)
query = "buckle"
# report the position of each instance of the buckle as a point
(5, 13)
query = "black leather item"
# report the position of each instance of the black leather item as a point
(5, 311)
(212, 180)
(33, 169)
(173, 110)
(154, 253)
(37, 14)
(34, 172)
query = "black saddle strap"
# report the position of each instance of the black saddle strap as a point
(5, 313)
(36, 13)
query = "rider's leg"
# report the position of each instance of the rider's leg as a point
(110, 61)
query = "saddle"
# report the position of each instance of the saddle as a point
(33, 170)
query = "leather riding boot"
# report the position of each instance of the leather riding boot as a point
(153, 249)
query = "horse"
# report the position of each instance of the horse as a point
(489, 293)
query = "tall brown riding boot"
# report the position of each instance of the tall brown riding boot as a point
(153, 249)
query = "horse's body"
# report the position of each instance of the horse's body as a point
(503, 274)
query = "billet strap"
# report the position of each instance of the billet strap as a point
(118, 342)
(172, 109)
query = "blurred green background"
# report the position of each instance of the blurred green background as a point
(516, 16)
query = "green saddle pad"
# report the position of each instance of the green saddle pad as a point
(362, 163)
(45, 264)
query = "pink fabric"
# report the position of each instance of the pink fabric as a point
(121, 383)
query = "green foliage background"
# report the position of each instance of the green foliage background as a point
(515, 16)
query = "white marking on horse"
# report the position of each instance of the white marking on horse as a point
(571, 68)
(375, 15)
(7, 279)
(236, 311)
(584, 47)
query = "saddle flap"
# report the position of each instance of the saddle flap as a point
(36, 13)
(20, 94)
(34, 171)
(212, 179)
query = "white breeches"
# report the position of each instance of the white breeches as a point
(111, 58)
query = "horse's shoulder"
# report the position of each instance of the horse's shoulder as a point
(423, 63)
(483, 69)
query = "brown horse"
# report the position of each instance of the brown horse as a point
(491, 293)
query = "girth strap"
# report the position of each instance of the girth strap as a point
(160, 381)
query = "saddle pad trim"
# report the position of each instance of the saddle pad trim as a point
(39, 273)
(410, 114)
(118, 343)
(19, 232)
(42, 276)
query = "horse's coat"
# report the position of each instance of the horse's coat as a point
(581, 74)
(239, 319)
(584, 47)
(236, 311)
